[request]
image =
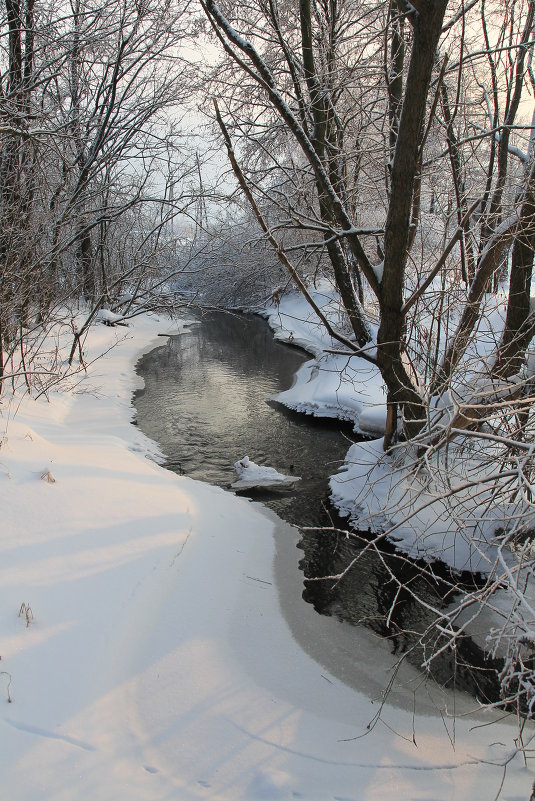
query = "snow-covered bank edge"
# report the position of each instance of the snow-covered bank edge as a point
(456, 509)
(387, 493)
(156, 663)
(330, 385)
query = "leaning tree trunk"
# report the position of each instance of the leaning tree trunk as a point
(405, 168)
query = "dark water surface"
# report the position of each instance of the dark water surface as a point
(207, 403)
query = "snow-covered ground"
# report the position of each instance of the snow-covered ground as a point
(154, 645)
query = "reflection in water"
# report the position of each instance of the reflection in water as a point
(206, 401)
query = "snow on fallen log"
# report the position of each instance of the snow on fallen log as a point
(110, 318)
(252, 475)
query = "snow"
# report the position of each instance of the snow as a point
(108, 317)
(168, 653)
(331, 385)
(252, 475)
(378, 270)
(389, 492)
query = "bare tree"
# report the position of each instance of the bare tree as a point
(306, 76)
(91, 98)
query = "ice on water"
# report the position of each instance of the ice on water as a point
(251, 474)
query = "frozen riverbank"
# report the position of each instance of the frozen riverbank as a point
(166, 655)
(332, 384)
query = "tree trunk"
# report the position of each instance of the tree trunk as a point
(84, 256)
(518, 330)
(401, 388)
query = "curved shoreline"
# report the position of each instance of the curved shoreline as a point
(158, 664)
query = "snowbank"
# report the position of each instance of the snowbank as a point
(392, 493)
(167, 653)
(330, 385)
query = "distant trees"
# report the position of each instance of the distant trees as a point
(226, 266)
(90, 94)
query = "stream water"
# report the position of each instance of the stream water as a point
(207, 402)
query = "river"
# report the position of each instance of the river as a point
(208, 401)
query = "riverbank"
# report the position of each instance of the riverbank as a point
(333, 384)
(149, 651)
(455, 510)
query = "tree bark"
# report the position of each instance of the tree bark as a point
(519, 329)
